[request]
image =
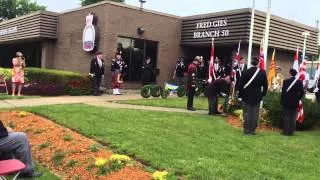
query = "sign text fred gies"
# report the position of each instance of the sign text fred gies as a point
(8, 31)
(207, 29)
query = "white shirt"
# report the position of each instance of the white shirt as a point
(99, 62)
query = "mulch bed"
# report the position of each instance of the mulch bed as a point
(236, 123)
(47, 138)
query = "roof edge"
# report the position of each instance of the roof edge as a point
(28, 15)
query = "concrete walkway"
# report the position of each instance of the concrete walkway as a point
(13, 103)
(101, 101)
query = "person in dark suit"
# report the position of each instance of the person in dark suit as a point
(213, 90)
(16, 145)
(252, 88)
(292, 92)
(192, 82)
(148, 72)
(97, 72)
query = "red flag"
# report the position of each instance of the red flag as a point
(261, 57)
(211, 65)
(302, 76)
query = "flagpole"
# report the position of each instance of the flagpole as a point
(251, 33)
(266, 37)
(305, 35)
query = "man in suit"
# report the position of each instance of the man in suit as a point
(253, 87)
(97, 72)
(192, 82)
(16, 145)
(213, 90)
(292, 92)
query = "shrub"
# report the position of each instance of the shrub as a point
(155, 91)
(181, 92)
(46, 82)
(145, 91)
(274, 117)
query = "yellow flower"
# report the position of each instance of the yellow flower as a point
(100, 162)
(22, 114)
(160, 175)
(119, 157)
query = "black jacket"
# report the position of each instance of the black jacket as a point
(3, 130)
(256, 90)
(95, 68)
(216, 87)
(290, 100)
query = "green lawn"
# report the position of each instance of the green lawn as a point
(200, 103)
(196, 146)
(4, 96)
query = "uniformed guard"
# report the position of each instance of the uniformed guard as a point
(192, 82)
(117, 68)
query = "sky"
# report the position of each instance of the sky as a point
(303, 11)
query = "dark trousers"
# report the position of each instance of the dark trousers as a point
(213, 104)
(251, 117)
(289, 118)
(96, 84)
(191, 93)
(318, 97)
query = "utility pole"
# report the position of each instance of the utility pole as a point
(251, 34)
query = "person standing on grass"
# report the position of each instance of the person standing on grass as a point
(17, 73)
(179, 72)
(253, 87)
(292, 92)
(192, 82)
(16, 145)
(97, 72)
(213, 90)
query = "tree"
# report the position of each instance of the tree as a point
(87, 2)
(10, 9)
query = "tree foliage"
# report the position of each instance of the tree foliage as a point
(87, 2)
(13, 8)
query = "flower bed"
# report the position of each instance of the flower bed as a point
(67, 153)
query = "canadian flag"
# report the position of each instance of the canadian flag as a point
(261, 57)
(211, 64)
(302, 76)
(296, 61)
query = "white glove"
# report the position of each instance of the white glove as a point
(102, 76)
(223, 94)
(316, 90)
(209, 80)
(92, 75)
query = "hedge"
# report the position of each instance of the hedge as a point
(274, 112)
(47, 82)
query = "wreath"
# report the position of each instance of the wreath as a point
(155, 91)
(145, 91)
(180, 91)
(164, 93)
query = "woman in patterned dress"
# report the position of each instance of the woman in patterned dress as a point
(18, 73)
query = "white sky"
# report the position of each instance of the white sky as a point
(303, 11)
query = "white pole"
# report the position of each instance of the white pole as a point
(305, 35)
(266, 37)
(251, 34)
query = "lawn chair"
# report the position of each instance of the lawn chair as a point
(8, 167)
(3, 83)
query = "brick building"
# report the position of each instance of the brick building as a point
(55, 40)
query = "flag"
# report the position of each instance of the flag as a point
(272, 69)
(211, 64)
(296, 61)
(235, 63)
(316, 75)
(261, 58)
(302, 76)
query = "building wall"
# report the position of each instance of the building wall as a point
(123, 21)
(116, 20)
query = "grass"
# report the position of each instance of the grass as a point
(4, 96)
(200, 103)
(194, 146)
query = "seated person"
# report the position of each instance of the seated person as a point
(16, 145)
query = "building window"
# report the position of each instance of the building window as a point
(134, 53)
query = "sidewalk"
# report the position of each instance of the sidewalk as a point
(13, 103)
(101, 101)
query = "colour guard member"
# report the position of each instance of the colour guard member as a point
(192, 82)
